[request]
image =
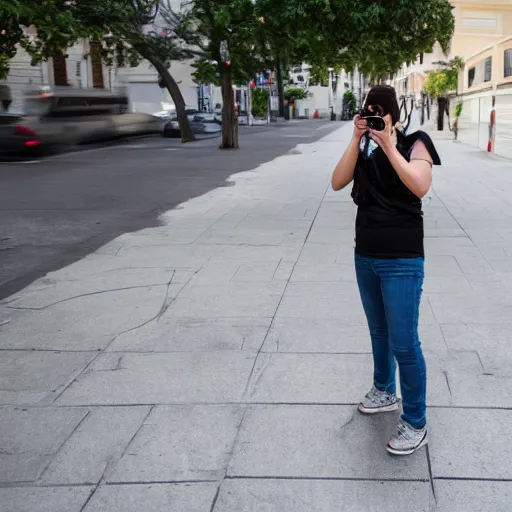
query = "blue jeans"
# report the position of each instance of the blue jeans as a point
(390, 292)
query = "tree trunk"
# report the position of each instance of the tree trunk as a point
(60, 71)
(441, 110)
(97, 65)
(280, 87)
(187, 135)
(229, 120)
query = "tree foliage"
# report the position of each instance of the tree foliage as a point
(442, 81)
(260, 102)
(226, 33)
(127, 30)
(293, 94)
(376, 36)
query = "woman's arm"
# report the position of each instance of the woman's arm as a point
(344, 172)
(416, 175)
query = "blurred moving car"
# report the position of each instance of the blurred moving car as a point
(54, 118)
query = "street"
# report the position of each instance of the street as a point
(194, 341)
(55, 211)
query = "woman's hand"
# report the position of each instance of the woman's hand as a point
(383, 138)
(360, 127)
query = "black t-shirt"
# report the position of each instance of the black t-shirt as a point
(389, 222)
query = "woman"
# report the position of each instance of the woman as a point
(391, 172)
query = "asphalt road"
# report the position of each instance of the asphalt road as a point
(55, 211)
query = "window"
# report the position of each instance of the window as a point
(471, 77)
(508, 63)
(488, 69)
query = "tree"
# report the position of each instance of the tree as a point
(387, 33)
(115, 28)
(440, 83)
(377, 36)
(225, 33)
(319, 74)
(294, 31)
(11, 34)
(57, 30)
(293, 94)
(138, 29)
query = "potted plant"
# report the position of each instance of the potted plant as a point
(455, 126)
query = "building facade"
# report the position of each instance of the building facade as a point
(478, 24)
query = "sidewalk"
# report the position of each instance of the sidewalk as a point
(214, 363)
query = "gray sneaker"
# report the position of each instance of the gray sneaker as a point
(407, 439)
(379, 401)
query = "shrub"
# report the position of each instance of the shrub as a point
(259, 102)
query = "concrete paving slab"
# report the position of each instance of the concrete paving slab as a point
(346, 378)
(162, 379)
(29, 378)
(311, 378)
(316, 335)
(322, 300)
(230, 301)
(240, 495)
(262, 272)
(178, 256)
(44, 499)
(465, 382)
(99, 441)
(197, 497)
(319, 254)
(29, 438)
(328, 335)
(442, 266)
(98, 264)
(49, 330)
(223, 273)
(501, 265)
(85, 321)
(253, 237)
(438, 232)
(472, 308)
(474, 495)
(332, 300)
(456, 285)
(481, 337)
(70, 291)
(343, 234)
(54, 292)
(334, 272)
(194, 334)
(470, 443)
(296, 224)
(181, 443)
(475, 264)
(320, 442)
(216, 273)
(249, 253)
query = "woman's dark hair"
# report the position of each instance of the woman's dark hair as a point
(385, 97)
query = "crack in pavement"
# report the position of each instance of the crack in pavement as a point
(100, 292)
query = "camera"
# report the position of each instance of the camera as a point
(375, 123)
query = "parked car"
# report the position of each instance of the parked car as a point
(200, 124)
(169, 115)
